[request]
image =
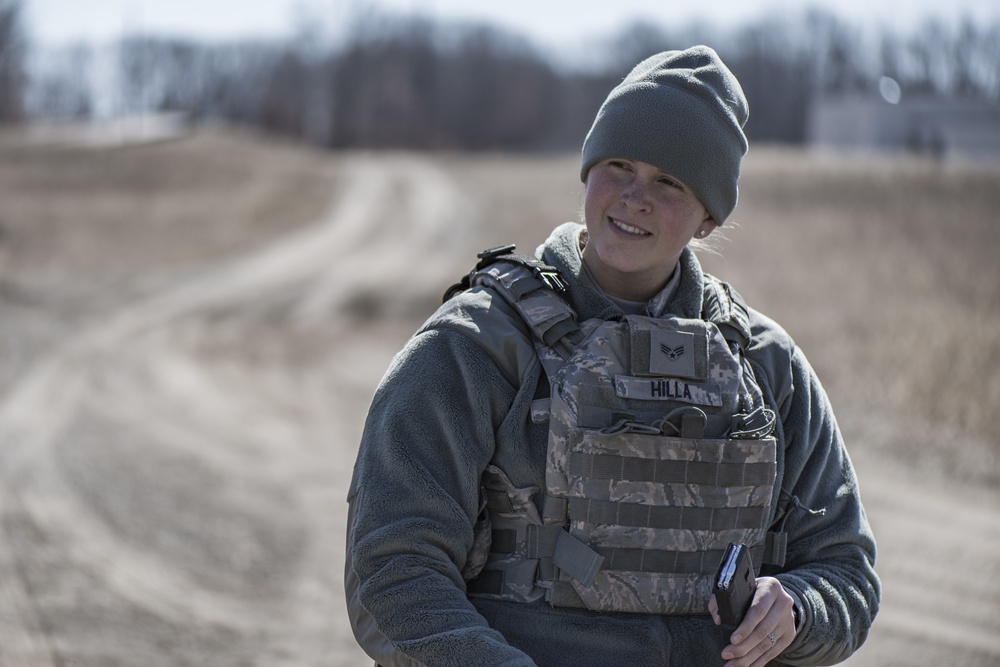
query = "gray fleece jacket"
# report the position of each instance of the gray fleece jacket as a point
(447, 408)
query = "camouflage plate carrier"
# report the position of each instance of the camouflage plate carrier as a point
(659, 454)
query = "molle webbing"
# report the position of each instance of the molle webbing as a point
(658, 560)
(634, 469)
(635, 515)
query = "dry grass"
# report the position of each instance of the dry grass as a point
(111, 212)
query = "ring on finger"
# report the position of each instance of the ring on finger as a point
(774, 640)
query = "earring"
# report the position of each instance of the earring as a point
(702, 233)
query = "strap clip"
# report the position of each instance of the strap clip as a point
(551, 278)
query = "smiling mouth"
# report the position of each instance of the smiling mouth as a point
(628, 229)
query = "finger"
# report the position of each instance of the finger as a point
(762, 602)
(762, 652)
(766, 631)
(748, 643)
(765, 643)
(713, 609)
(768, 649)
(771, 607)
(750, 628)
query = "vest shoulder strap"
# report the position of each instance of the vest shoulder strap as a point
(724, 307)
(535, 290)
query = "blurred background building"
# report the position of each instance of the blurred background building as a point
(940, 128)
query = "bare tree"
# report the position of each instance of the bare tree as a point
(12, 62)
(62, 83)
(408, 81)
(286, 89)
(975, 59)
(776, 83)
(235, 82)
(496, 92)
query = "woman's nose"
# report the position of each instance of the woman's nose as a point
(635, 196)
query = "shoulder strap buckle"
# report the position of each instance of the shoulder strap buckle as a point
(548, 275)
(551, 278)
(486, 257)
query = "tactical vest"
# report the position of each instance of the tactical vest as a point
(659, 455)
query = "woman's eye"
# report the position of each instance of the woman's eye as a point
(672, 183)
(618, 164)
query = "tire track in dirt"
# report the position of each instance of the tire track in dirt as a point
(135, 371)
(938, 546)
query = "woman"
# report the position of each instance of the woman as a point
(553, 465)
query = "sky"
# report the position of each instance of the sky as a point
(551, 23)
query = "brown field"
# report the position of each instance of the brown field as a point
(191, 330)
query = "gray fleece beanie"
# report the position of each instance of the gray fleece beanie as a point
(681, 111)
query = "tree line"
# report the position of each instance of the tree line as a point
(412, 82)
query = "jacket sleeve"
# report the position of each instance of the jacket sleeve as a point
(830, 560)
(414, 500)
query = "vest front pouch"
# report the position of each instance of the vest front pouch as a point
(660, 511)
(656, 508)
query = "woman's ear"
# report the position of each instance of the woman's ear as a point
(707, 226)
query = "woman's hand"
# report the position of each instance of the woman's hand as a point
(766, 630)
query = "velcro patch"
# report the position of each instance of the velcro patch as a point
(668, 389)
(672, 353)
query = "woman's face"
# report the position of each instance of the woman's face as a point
(638, 219)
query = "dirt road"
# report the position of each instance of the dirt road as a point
(160, 484)
(174, 472)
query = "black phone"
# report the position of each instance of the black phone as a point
(734, 586)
